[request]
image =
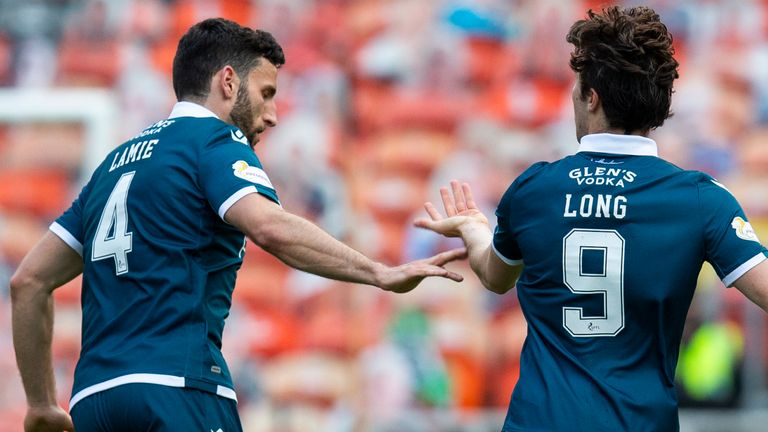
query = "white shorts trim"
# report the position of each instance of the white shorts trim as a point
(143, 378)
(506, 260)
(226, 392)
(67, 237)
(731, 277)
(235, 197)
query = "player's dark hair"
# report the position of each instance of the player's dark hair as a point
(214, 43)
(626, 56)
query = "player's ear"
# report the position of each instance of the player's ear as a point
(593, 100)
(228, 81)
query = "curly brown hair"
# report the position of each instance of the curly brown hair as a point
(626, 56)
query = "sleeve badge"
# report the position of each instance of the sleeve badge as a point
(252, 174)
(744, 229)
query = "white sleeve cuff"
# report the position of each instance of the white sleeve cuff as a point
(235, 197)
(506, 260)
(731, 277)
(67, 237)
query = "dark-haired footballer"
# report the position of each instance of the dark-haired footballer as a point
(158, 233)
(605, 246)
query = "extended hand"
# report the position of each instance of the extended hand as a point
(47, 419)
(460, 210)
(406, 277)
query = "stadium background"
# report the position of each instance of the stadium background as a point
(380, 102)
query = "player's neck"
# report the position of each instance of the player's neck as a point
(620, 131)
(599, 124)
(212, 104)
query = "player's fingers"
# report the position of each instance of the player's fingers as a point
(468, 196)
(432, 211)
(458, 196)
(436, 271)
(444, 227)
(451, 275)
(448, 256)
(424, 223)
(450, 208)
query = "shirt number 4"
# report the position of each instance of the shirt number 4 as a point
(112, 239)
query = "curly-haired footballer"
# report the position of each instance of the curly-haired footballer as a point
(605, 245)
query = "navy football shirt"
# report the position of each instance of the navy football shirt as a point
(159, 260)
(612, 239)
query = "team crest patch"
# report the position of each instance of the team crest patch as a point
(744, 229)
(251, 173)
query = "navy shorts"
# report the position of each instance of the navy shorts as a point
(155, 408)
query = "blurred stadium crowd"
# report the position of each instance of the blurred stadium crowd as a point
(380, 103)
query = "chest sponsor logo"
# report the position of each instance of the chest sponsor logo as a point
(252, 174)
(155, 128)
(744, 229)
(602, 176)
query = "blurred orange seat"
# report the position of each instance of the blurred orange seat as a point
(530, 103)
(485, 55)
(89, 62)
(69, 293)
(467, 383)
(42, 192)
(415, 152)
(186, 13)
(270, 332)
(261, 281)
(395, 198)
(431, 109)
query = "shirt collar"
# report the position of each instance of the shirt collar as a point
(633, 145)
(190, 109)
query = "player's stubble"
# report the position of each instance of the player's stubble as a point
(242, 114)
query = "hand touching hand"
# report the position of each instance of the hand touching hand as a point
(460, 210)
(406, 277)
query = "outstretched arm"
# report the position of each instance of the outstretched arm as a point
(754, 285)
(303, 245)
(463, 219)
(50, 264)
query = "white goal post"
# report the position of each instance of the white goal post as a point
(95, 109)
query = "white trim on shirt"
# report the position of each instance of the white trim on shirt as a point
(67, 237)
(235, 197)
(506, 260)
(748, 265)
(143, 378)
(633, 145)
(190, 109)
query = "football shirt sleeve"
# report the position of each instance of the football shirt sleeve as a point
(69, 226)
(507, 221)
(504, 242)
(230, 170)
(732, 247)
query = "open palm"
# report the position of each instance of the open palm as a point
(461, 212)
